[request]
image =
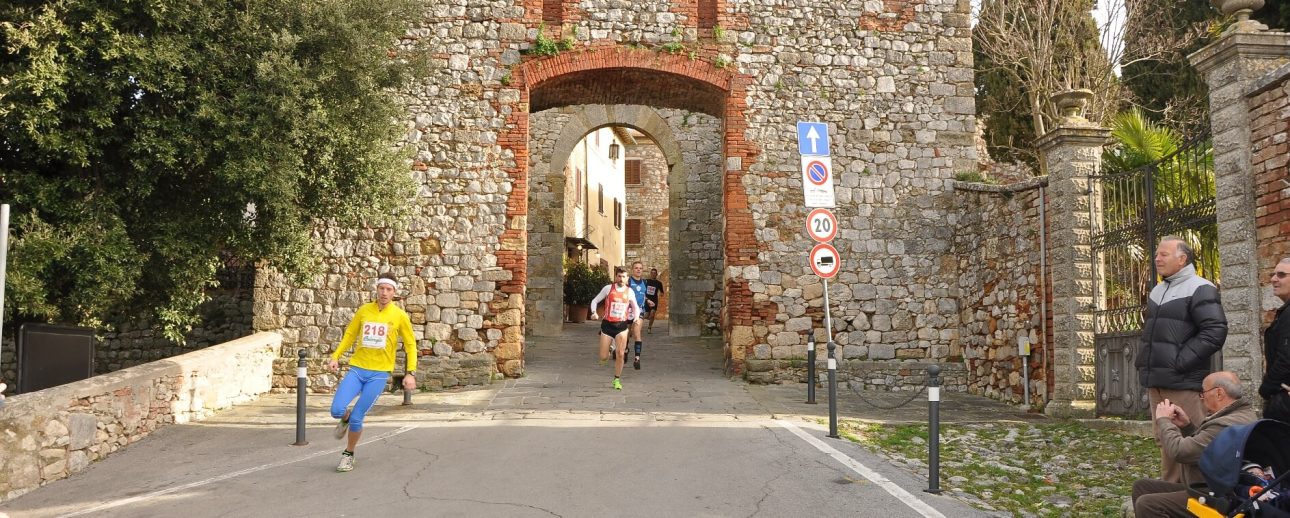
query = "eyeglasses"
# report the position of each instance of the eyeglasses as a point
(1202, 393)
(1280, 275)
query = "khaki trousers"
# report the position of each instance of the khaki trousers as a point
(1189, 400)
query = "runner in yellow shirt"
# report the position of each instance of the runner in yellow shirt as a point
(374, 333)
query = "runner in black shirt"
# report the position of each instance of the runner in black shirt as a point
(653, 289)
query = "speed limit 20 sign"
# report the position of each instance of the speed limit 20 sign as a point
(822, 225)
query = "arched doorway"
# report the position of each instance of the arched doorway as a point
(694, 195)
(613, 76)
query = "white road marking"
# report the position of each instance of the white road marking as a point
(226, 476)
(904, 496)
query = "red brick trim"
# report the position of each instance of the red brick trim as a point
(742, 247)
(885, 22)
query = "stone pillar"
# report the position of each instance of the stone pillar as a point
(1073, 152)
(1229, 66)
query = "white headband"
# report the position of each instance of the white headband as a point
(391, 282)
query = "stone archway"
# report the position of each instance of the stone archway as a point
(693, 225)
(613, 75)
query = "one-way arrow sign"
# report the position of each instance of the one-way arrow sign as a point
(813, 138)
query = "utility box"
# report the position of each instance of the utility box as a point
(50, 355)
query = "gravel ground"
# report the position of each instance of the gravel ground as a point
(1022, 469)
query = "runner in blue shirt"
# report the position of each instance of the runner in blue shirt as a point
(639, 286)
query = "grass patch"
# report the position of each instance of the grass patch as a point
(1057, 469)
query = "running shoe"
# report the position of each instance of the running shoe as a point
(342, 426)
(618, 385)
(636, 363)
(346, 463)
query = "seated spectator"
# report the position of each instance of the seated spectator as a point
(1182, 440)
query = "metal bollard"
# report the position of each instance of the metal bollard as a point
(407, 394)
(833, 392)
(934, 429)
(302, 381)
(810, 370)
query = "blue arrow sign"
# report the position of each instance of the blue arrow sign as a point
(813, 138)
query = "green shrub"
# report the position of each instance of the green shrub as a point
(582, 283)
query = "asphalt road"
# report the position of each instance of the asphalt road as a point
(680, 440)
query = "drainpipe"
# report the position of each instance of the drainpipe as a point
(1043, 291)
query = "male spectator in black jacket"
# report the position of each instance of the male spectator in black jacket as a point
(1184, 326)
(1276, 350)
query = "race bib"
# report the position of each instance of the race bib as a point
(618, 310)
(651, 291)
(374, 334)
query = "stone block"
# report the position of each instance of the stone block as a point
(82, 430)
(882, 352)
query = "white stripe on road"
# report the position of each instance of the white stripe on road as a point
(226, 476)
(904, 496)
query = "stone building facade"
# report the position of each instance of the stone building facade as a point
(649, 221)
(892, 79)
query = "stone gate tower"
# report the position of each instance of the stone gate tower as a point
(892, 78)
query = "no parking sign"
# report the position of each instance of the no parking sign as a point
(817, 181)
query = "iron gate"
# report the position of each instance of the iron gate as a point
(1130, 210)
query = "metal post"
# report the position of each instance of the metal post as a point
(302, 381)
(810, 369)
(4, 253)
(833, 392)
(833, 366)
(407, 394)
(934, 429)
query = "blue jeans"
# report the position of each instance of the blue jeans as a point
(364, 384)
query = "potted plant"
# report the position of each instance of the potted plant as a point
(581, 284)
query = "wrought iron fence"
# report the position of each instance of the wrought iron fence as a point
(1130, 210)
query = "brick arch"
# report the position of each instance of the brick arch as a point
(596, 74)
(621, 75)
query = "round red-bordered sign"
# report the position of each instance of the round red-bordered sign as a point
(822, 225)
(817, 172)
(825, 261)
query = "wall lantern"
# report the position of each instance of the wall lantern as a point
(613, 150)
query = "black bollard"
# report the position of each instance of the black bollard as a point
(407, 394)
(833, 392)
(810, 370)
(934, 429)
(302, 381)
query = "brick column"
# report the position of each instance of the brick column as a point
(1073, 152)
(1229, 66)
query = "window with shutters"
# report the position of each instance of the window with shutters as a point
(618, 214)
(634, 231)
(600, 202)
(578, 187)
(632, 167)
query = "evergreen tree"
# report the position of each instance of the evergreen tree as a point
(142, 144)
(1025, 51)
(1167, 88)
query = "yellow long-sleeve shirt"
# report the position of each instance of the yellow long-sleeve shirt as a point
(374, 334)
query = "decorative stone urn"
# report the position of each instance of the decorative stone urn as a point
(1070, 104)
(1242, 9)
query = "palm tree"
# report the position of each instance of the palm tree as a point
(1149, 161)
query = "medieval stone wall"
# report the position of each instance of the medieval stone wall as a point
(648, 202)
(997, 246)
(892, 79)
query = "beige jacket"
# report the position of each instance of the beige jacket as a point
(1186, 444)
